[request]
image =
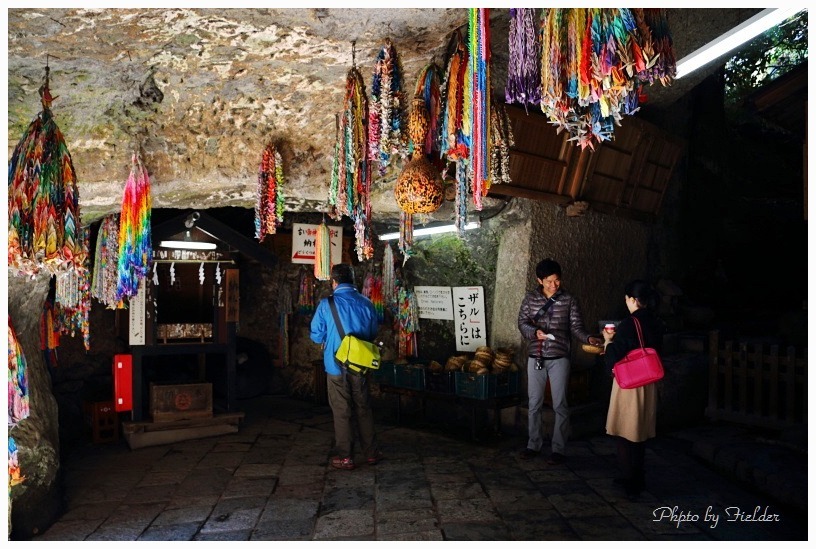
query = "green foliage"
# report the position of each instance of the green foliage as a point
(766, 57)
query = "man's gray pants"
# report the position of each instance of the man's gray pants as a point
(349, 394)
(558, 373)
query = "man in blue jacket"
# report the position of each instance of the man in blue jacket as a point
(348, 391)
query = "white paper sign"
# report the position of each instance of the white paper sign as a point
(469, 318)
(434, 302)
(136, 310)
(304, 242)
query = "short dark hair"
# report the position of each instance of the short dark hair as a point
(547, 267)
(643, 292)
(342, 273)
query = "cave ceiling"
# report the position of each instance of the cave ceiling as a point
(201, 91)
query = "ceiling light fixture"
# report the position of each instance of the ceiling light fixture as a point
(184, 245)
(432, 230)
(187, 244)
(737, 36)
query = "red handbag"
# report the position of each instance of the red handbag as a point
(639, 367)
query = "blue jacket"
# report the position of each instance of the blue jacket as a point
(356, 313)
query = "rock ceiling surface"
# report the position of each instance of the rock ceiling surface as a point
(201, 91)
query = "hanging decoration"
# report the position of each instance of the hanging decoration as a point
(43, 198)
(106, 263)
(594, 62)
(524, 66)
(173, 273)
(18, 408)
(135, 243)
(322, 264)
(14, 474)
(455, 132)
(350, 187)
(407, 323)
(501, 139)
(419, 186)
(156, 274)
(306, 297)
(373, 290)
(389, 280)
(218, 273)
(269, 205)
(73, 297)
(386, 116)
(201, 276)
(49, 330)
(478, 95)
(285, 309)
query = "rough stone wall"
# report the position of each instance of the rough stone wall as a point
(36, 502)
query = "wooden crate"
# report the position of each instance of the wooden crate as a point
(177, 402)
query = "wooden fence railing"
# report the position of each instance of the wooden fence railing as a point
(751, 385)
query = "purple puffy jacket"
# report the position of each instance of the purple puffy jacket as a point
(562, 318)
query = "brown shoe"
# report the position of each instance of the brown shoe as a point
(378, 457)
(555, 459)
(342, 463)
(528, 453)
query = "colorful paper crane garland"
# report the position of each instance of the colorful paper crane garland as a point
(269, 206)
(350, 187)
(387, 112)
(106, 263)
(73, 298)
(135, 242)
(43, 199)
(323, 264)
(478, 101)
(594, 62)
(524, 66)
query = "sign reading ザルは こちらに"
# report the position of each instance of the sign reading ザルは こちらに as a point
(469, 317)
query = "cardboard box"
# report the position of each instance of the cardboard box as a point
(177, 402)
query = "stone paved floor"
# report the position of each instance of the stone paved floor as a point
(272, 481)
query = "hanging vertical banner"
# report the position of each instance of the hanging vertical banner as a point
(469, 316)
(136, 310)
(304, 243)
(434, 302)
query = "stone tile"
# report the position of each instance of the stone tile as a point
(390, 498)
(451, 490)
(118, 532)
(284, 530)
(152, 494)
(171, 532)
(472, 510)
(302, 474)
(475, 531)
(299, 491)
(581, 505)
(274, 455)
(423, 535)
(89, 512)
(552, 475)
(508, 501)
(337, 499)
(257, 470)
(225, 460)
(347, 523)
(155, 478)
(283, 509)
(182, 500)
(69, 530)
(242, 447)
(544, 525)
(127, 514)
(604, 529)
(109, 496)
(241, 487)
(405, 520)
(231, 535)
(233, 520)
(184, 515)
(231, 505)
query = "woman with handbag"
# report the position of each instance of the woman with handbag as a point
(632, 412)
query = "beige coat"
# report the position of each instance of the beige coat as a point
(632, 412)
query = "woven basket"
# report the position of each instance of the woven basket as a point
(592, 349)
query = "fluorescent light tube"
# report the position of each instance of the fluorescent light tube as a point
(737, 36)
(432, 230)
(187, 245)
